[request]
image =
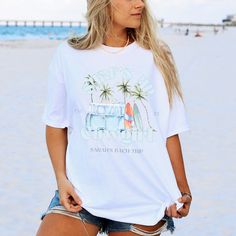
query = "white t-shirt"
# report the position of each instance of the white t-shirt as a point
(115, 106)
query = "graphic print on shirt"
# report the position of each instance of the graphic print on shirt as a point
(118, 105)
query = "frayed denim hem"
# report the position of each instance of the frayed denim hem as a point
(169, 226)
(103, 230)
(170, 223)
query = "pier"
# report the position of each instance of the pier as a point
(41, 23)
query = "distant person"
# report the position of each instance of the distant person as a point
(187, 32)
(113, 116)
(215, 30)
(162, 23)
(198, 34)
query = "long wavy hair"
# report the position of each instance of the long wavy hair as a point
(100, 18)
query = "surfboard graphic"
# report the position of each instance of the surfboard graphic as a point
(137, 117)
(129, 116)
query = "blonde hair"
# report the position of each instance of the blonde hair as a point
(100, 20)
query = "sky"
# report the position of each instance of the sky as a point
(197, 11)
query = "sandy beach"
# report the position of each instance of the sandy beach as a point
(207, 72)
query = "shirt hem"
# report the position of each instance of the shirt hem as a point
(54, 124)
(179, 130)
(139, 220)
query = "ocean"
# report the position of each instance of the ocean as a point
(36, 32)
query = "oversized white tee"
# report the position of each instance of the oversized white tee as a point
(115, 106)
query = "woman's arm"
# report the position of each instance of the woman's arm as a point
(175, 153)
(56, 139)
(176, 158)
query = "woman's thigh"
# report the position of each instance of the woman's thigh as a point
(137, 229)
(55, 224)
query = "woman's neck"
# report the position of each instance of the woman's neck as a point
(117, 39)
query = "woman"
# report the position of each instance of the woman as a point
(113, 115)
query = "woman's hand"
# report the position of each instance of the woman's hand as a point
(183, 211)
(68, 197)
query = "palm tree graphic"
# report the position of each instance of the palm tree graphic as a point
(124, 87)
(91, 84)
(106, 92)
(140, 95)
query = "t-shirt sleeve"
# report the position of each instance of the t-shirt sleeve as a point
(178, 119)
(55, 110)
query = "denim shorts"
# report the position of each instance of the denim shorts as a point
(106, 225)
